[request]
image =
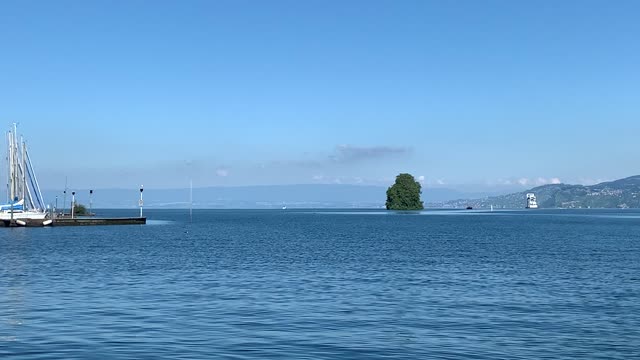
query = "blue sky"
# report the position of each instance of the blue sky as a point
(467, 94)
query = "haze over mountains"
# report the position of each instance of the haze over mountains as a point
(623, 193)
(272, 196)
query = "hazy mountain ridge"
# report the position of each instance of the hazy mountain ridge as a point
(265, 196)
(622, 193)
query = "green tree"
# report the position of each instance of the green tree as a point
(404, 194)
(79, 209)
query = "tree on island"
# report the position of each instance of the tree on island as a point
(79, 209)
(404, 194)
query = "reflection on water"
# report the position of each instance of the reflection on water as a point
(601, 213)
(15, 261)
(159, 222)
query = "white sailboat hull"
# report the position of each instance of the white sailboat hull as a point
(35, 215)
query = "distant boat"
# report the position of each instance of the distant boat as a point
(284, 208)
(24, 198)
(532, 203)
(469, 207)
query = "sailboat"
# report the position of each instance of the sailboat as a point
(24, 198)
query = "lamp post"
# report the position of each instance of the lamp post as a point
(141, 202)
(64, 201)
(73, 202)
(90, 201)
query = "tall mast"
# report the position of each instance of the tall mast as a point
(16, 163)
(34, 179)
(8, 148)
(12, 168)
(24, 171)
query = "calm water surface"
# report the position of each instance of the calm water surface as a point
(326, 285)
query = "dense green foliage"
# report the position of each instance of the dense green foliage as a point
(404, 194)
(79, 209)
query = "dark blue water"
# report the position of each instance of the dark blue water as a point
(326, 285)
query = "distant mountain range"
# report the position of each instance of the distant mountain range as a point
(268, 197)
(623, 193)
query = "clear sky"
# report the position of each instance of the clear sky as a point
(467, 94)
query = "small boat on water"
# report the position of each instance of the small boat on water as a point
(24, 198)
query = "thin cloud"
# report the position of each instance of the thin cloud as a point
(222, 172)
(351, 154)
(590, 181)
(545, 181)
(345, 154)
(523, 181)
(350, 180)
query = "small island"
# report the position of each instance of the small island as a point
(404, 194)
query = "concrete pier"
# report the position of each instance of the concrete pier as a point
(67, 221)
(99, 221)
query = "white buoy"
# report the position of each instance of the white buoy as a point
(21, 222)
(47, 222)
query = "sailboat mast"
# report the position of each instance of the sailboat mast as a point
(16, 163)
(34, 179)
(12, 168)
(23, 190)
(9, 198)
(24, 171)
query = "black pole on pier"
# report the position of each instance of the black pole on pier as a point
(64, 201)
(141, 202)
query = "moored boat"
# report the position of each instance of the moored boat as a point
(532, 203)
(24, 198)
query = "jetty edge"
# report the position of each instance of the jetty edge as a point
(64, 221)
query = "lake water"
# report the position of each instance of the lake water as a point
(301, 284)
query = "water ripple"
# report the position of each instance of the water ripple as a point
(325, 285)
